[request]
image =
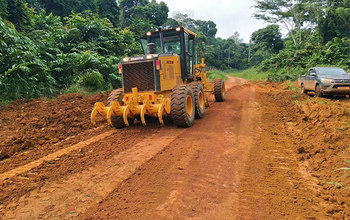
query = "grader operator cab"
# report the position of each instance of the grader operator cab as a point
(164, 81)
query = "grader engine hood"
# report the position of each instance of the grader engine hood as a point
(141, 72)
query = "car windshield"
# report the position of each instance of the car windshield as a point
(331, 71)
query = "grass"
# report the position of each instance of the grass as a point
(251, 74)
(336, 184)
(216, 74)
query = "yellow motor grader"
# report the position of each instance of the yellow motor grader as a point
(164, 81)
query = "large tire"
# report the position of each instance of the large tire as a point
(182, 106)
(199, 99)
(115, 95)
(117, 121)
(318, 91)
(219, 90)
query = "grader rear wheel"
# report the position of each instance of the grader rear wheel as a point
(182, 106)
(199, 99)
(219, 90)
(117, 121)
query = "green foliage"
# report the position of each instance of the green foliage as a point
(250, 74)
(22, 72)
(208, 28)
(108, 9)
(92, 80)
(292, 61)
(18, 13)
(83, 53)
(65, 7)
(127, 8)
(3, 9)
(218, 53)
(283, 74)
(319, 33)
(216, 74)
(292, 15)
(336, 22)
(265, 43)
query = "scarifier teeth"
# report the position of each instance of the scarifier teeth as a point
(113, 109)
(142, 114)
(130, 110)
(99, 108)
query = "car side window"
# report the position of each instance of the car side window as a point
(312, 71)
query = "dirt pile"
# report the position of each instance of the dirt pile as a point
(28, 124)
(321, 131)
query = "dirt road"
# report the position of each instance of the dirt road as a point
(248, 158)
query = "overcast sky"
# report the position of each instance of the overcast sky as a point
(229, 15)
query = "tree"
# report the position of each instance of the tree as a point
(127, 8)
(65, 7)
(208, 28)
(108, 9)
(3, 9)
(336, 22)
(265, 43)
(19, 14)
(292, 15)
(171, 23)
(156, 14)
(269, 38)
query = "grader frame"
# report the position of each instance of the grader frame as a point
(162, 82)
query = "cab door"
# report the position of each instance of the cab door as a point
(187, 56)
(189, 53)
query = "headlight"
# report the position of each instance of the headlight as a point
(327, 81)
(149, 56)
(126, 59)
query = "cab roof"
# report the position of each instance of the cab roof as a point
(172, 30)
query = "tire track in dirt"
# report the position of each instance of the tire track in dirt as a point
(54, 155)
(196, 174)
(68, 198)
(81, 193)
(277, 188)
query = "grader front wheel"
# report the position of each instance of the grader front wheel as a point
(118, 121)
(199, 99)
(182, 106)
(219, 90)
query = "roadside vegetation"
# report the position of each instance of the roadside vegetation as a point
(63, 46)
(253, 74)
(318, 34)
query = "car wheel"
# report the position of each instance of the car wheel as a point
(302, 90)
(318, 91)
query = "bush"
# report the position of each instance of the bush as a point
(284, 74)
(55, 56)
(216, 74)
(23, 74)
(92, 81)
